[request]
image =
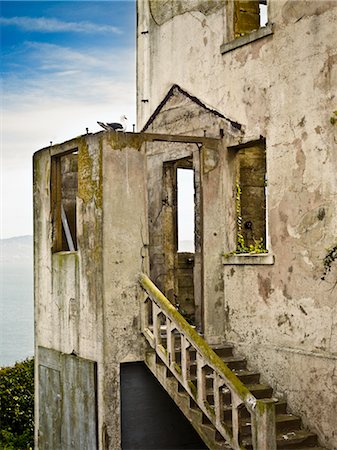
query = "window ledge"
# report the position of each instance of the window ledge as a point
(249, 259)
(65, 253)
(246, 39)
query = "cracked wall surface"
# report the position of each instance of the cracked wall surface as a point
(282, 87)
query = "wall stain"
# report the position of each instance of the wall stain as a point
(286, 293)
(265, 289)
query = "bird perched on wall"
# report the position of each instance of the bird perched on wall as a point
(115, 126)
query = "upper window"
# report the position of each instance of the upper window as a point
(64, 186)
(250, 197)
(249, 16)
(247, 21)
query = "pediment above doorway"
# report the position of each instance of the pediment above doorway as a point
(181, 113)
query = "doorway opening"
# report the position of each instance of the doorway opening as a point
(179, 235)
(186, 210)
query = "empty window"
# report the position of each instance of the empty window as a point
(249, 15)
(64, 185)
(251, 197)
(185, 185)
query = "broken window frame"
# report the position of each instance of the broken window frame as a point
(245, 245)
(240, 13)
(64, 233)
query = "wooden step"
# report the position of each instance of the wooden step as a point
(284, 424)
(235, 362)
(260, 390)
(304, 448)
(290, 440)
(293, 439)
(247, 376)
(223, 350)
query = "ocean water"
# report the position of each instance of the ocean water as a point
(16, 300)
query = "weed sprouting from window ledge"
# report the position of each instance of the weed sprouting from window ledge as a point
(241, 248)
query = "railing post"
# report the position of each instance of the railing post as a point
(185, 361)
(145, 312)
(263, 425)
(170, 344)
(236, 402)
(218, 399)
(156, 324)
(201, 379)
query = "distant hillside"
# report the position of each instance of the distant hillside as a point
(16, 250)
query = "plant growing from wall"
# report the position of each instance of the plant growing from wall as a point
(333, 118)
(241, 246)
(329, 259)
(17, 406)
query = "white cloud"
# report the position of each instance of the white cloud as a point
(68, 92)
(44, 25)
(71, 75)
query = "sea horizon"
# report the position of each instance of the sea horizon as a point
(16, 300)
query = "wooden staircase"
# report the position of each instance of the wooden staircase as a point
(224, 401)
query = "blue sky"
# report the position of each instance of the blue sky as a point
(64, 65)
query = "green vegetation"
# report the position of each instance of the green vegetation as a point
(241, 246)
(333, 118)
(17, 406)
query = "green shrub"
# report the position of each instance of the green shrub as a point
(17, 406)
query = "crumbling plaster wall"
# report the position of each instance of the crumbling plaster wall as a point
(283, 87)
(125, 247)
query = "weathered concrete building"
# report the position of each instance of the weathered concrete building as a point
(249, 109)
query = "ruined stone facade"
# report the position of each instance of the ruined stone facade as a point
(280, 83)
(249, 110)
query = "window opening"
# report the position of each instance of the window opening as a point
(249, 15)
(186, 210)
(251, 199)
(64, 186)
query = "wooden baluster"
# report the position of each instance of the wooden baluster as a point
(170, 345)
(218, 399)
(263, 425)
(185, 362)
(156, 324)
(144, 313)
(147, 320)
(236, 402)
(201, 379)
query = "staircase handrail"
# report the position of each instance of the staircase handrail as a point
(262, 411)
